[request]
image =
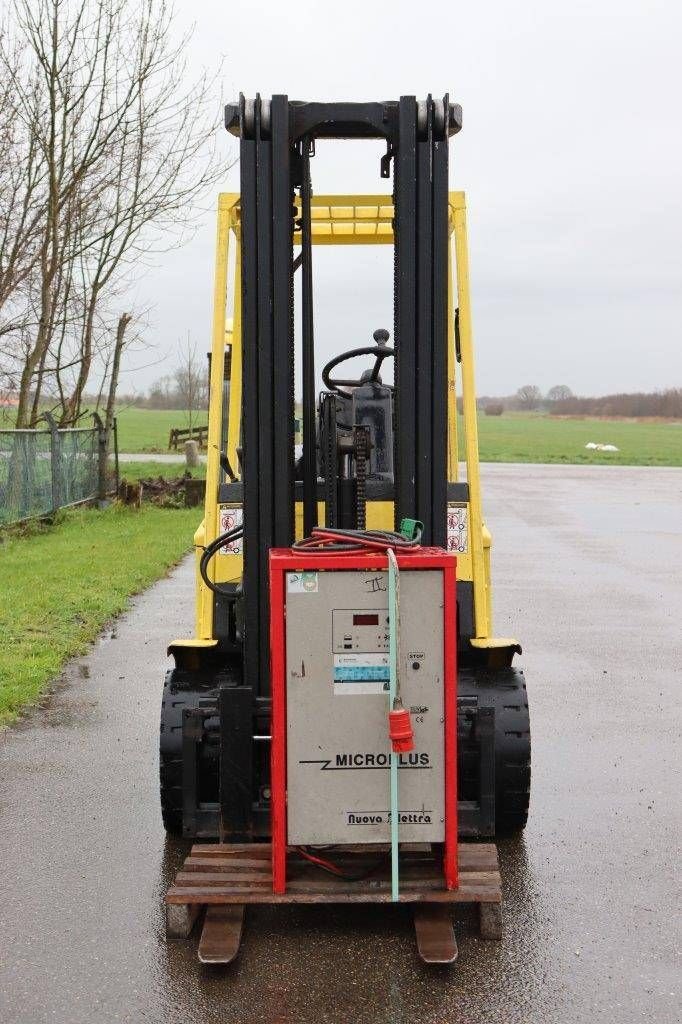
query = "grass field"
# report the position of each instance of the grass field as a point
(513, 437)
(61, 584)
(147, 430)
(508, 438)
(139, 430)
(519, 438)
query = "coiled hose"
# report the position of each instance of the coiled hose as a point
(211, 550)
(323, 540)
(333, 541)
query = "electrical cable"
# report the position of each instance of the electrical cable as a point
(326, 540)
(323, 540)
(394, 702)
(334, 869)
(211, 550)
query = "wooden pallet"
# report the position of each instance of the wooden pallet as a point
(219, 876)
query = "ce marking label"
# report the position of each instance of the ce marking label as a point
(419, 710)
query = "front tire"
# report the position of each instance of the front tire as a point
(173, 703)
(505, 691)
(181, 690)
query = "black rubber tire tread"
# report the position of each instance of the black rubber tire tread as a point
(505, 690)
(173, 703)
(183, 689)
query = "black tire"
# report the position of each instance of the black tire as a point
(173, 702)
(181, 690)
(505, 691)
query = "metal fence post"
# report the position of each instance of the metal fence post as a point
(55, 462)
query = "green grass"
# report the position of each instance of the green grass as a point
(147, 430)
(134, 471)
(61, 584)
(512, 437)
(536, 438)
(139, 430)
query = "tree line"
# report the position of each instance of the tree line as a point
(560, 401)
(185, 388)
(106, 148)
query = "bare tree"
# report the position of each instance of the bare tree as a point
(126, 150)
(119, 344)
(22, 178)
(191, 382)
(529, 396)
(559, 393)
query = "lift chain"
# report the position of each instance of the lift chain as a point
(361, 447)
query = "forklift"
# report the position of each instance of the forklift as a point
(373, 456)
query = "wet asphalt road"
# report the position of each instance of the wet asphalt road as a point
(587, 566)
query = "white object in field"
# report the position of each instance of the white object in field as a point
(602, 447)
(230, 516)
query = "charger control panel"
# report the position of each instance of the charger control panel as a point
(360, 629)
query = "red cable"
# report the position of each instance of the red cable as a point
(320, 861)
(334, 869)
(322, 541)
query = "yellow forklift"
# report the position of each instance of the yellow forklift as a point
(372, 454)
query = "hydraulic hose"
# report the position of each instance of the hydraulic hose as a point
(211, 550)
(322, 540)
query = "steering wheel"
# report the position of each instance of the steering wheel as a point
(380, 352)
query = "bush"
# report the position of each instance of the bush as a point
(494, 409)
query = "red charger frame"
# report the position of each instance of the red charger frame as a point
(283, 560)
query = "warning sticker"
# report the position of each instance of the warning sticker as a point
(457, 528)
(230, 516)
(302, 582)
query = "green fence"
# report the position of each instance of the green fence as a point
(44, 470)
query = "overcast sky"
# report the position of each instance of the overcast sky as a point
(570, 156)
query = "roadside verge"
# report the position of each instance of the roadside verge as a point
(59, 585)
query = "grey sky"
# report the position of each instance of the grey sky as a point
(570, 156)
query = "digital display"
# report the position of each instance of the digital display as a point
(364, 619)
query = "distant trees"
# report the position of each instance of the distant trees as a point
(666, 404)
(529, 396)
(104, 149)
(186, 388)
(559, 393)
(560, 401)
(191, 383)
